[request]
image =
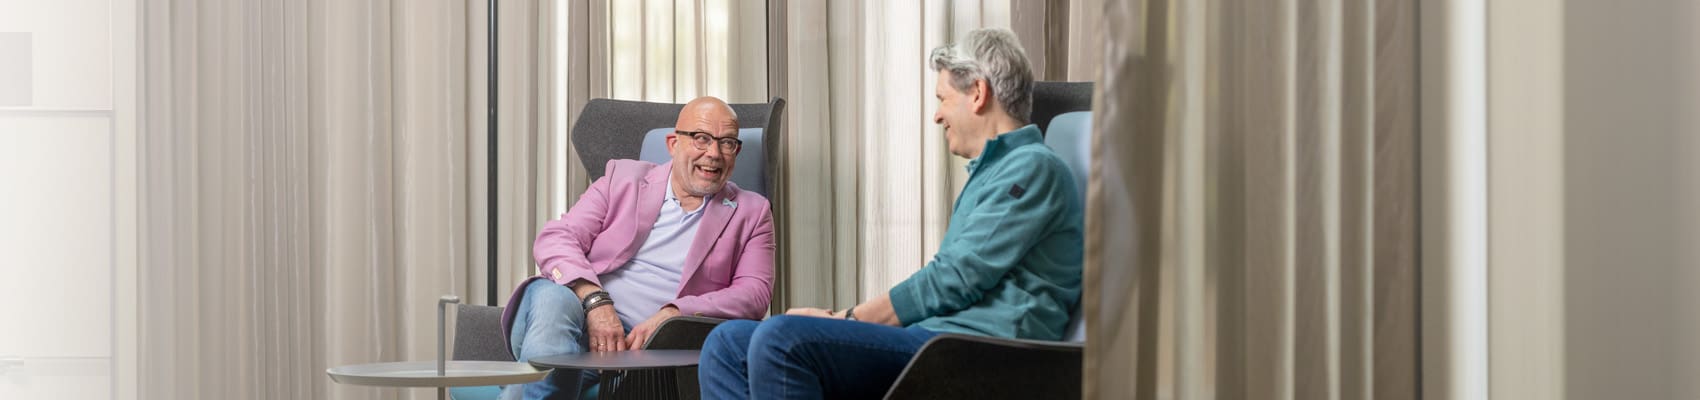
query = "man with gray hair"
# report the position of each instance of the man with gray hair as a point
(1009, 265)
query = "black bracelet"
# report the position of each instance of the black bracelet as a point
(850, 313)
(597, 299)
(602, 302)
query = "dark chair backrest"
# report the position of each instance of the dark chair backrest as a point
(610, 129)
(751, 172)
(478, 334)
(1072, 140)
(1070, 137)
(1051, 99)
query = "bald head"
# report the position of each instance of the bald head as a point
(707, 109)
(704, 146)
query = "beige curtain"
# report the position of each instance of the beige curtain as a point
(557, 55)
(1061, 37)
(306, 195)
(1250, 228)
(671, 51)
(542, 83)
(820, 250)
(871, 182)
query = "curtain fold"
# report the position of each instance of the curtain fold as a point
(671, 51)
(1260, 185)
(534, 164)
(304, 192)
(872, 180)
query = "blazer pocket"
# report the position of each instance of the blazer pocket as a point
(714, 270)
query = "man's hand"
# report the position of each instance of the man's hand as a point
(641, 332)
(602, 323)
(812, 312)
(606, 334)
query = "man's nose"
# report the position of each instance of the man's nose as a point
(938, 118)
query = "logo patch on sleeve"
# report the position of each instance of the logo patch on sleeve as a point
(1016, 191)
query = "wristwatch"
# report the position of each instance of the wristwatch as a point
(850, 313)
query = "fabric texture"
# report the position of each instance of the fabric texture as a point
(648, 282)
(1010, 262)
(793, 357)
(550, 321)
(727, 274)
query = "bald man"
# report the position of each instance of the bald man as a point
(645, 243)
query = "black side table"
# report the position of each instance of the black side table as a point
(613, 364)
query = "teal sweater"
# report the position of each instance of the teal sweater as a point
(1009, 265)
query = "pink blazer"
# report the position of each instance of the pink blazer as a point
(727, 274)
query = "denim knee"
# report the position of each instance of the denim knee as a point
(553, 302)
(548, 312)
(730, 338)
(546, 295)
(779, 333)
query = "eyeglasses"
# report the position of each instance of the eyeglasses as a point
(702, 139)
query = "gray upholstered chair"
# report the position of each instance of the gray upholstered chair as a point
(952, 366)
(751, 172)
(478, 337)
(616, 129)
(1051, 99)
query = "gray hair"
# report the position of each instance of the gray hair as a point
(992, 54)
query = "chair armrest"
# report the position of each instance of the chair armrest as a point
(478, 334)
(975, 367)
(681, 333)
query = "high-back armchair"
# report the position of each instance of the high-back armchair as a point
(953, 366)
(610, 129)
(619, 129)
(616, 129)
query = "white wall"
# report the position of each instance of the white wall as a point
(1596, 199)
(67, 199)
(1631, 116)
(1526, 223)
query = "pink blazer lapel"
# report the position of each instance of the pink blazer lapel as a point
(650, 192)
(714, 221)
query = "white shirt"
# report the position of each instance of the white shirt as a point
(651, 279)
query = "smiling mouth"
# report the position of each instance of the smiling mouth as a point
(707, 172)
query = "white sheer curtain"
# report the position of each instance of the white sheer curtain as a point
(539, 78)
(557, 55)
(671, 51)
(871, 182)
(305, 191)
(314, 173)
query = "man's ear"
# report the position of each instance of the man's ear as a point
(980, 97)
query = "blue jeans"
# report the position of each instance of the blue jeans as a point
(549, 321)
(790, 357)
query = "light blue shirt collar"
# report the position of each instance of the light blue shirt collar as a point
(674, 198)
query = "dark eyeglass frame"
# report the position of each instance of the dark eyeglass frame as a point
(698, 140)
